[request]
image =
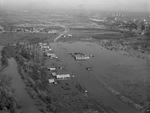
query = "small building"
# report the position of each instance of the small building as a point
(51, 55)
(44, 47)
(48, 49)
(63, 76)
(52, 32)
(52, 69)
(42, 44)
(126, 100)
(35, 30)
(69, 35)
(81, 57)
(53, 74)
(138, 107)
(51, 81)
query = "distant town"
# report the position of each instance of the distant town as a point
(119, 22)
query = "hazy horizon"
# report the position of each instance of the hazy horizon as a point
(110, 5)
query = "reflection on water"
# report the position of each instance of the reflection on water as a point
(103, 64)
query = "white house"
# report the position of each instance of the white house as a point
(81, 57)
(63, 76)
(42, 44)
(51, 69)
(44, 47)
(51, 81)
(48, 49)
(52, 55)
(53, 74)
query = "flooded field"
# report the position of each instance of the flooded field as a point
(124, 74)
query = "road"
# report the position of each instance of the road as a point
(66, 29)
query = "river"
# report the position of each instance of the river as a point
(19, 87)
(101, 63)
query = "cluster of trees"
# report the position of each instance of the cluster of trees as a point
(129, 34)
(8, 102)
(36, 79)
(108, 36)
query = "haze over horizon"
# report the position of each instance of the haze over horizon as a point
(110, 5)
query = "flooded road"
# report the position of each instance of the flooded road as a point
(102, 63)
(19, 87)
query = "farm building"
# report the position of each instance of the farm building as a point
(80, 56)
(52, 55)
(44, 47)
(53, 74)
(51, 81)
(51, 69)
(63, 76)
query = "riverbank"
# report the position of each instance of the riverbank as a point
(48, 98)
(9, 103)
(20, 88)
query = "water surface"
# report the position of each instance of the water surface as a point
(103, 64)
(19, 87)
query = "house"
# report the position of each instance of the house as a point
(51, 81)
(69, 35)
(49, 31)
(35, 30)
(63, 76)
(52, 55)
(80, 56)
(42, 44)
(48, 49)
(52, 69)
(53, 32)
(53, 74)
(44, 47)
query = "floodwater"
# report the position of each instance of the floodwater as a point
(19, 87)
(102, 64)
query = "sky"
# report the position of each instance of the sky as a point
(118, 5)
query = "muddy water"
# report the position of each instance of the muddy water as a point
(101, 63)
(19, 86)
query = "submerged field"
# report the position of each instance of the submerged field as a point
(120, 63)
(129, 78)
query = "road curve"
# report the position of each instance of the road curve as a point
(66, 30)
